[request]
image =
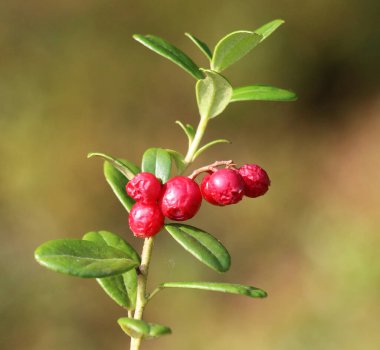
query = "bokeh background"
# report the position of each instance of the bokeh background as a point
(72, 80)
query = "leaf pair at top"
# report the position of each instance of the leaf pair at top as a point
(227, 51)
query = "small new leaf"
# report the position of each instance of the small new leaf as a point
(201, 45)
(128, 170)
(83, 258)
(121, 288)
(268, 28)
(167, 50)
(208, 145)
(213, 94)
(188, 129)
(203, 246)
(241, 289)
(141, 329)
(232, 48)
(262, 93)
(158, 162)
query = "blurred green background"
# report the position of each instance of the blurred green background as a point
(72, 80)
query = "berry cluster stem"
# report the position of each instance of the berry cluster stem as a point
(142, 295)
(212, 167)
(142, 298)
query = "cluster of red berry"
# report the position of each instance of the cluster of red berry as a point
(180, 197)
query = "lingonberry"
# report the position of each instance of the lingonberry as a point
(181, 198)
(256, 180)
(145, 219)
(144, 188)
(223, 187)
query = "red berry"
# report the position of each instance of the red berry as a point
(144, 188)
(181, 198)
(205, 191)
(145, 220)
(256, 180)
(223, 187)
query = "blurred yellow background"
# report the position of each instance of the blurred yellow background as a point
(72, 80)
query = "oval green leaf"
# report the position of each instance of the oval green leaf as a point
(141, 329)
(83, 258)
(201, 45)
(117, 182)
(241, 289)
(268, 28)
(158, 162)
(213, 94)
(203, 246)
(262, 93)
(179, 160)
(232, 48)
(167, 50)
(121, 288)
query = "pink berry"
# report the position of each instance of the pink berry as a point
(145, 220)
(181, 198)
(256, 180)
(144, 188)
(223, 187)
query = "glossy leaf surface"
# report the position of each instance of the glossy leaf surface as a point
(268, 28)
(83, 258)
(249, 291)
(121, 288)
(201, 245)
(167, 50)
(179, 160)
(232, 48)
(141, 329)
(213, 94)
(262, 93)
(158, 162)
(201, 45)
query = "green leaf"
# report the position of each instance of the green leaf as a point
(208, 145)
(201, 45)
(188, 129)
(118, 181)
(201, 245)
(141, 329)
(213, 94)
(158, 162)
(232, 48)
(83, 258)
(128, 169)
(262, 93)
(121, 288)
(248, 291)
(179, 160)
(268, 28)
(167, 50)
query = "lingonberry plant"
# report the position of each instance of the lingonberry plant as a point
(152, 196)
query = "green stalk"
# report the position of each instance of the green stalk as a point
(142, 296)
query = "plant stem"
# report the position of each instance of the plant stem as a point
(141, 286)
(196, 141)
(142, 297)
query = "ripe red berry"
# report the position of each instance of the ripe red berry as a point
(256, 180)
(145, 220)
(205, 191)
(144, 188)
(181, 198)
(223, 187)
